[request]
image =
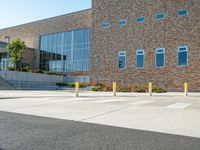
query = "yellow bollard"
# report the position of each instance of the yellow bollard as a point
(77, 89)
(114, 89)
(150, 88)
(186, 89)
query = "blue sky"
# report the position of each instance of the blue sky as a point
(15, 12)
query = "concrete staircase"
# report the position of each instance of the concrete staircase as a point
(28, 81)
(4, 85)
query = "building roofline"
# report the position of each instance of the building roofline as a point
(46, 19)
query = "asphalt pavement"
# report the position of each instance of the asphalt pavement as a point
(26, 132)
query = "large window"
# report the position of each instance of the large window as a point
(140, 58)
(160, 57)
(66, 51)
(183, 56)
(122, 59)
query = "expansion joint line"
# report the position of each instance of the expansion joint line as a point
(106, 113)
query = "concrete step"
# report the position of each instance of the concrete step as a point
(27, 85)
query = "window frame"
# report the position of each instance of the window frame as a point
(53, 50)
(158, 19)
(119, 54)
(126, 22)
(140, 50)
(182, 14)
(140, 22)
(186, 47)
(160, 48)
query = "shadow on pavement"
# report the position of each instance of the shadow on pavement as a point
(30, 132)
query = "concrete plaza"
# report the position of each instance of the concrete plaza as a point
(171, 113)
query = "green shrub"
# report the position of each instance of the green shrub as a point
(101, 87)
(96, 88)
(140, 90)
(159, 90)
(62, 84)
(38, 71)
(72, 85)
(46, 72)
(26, 69)
(124, 89)
(105, 88)
(12, 69)
(53, 73)
(81, 85)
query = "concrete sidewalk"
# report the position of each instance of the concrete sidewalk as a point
(168, 112)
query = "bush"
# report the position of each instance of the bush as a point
(101, 87)
(72, 85)
(38, 71)
(53, 73)
(159, 90)
(46, 72)
(81, 85)
(140, 90)
(62, 84)
(12, 69)
(26, 69)
(124, 89)
(96, 88)
(104, 88)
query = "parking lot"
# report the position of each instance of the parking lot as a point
(170, 113)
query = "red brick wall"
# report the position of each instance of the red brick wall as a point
(170, 33)
(30, 57)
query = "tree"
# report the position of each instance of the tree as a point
(17, 48)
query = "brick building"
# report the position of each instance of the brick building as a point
(131, 42)
(51, 41)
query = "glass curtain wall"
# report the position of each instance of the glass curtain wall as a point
(66, 51)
